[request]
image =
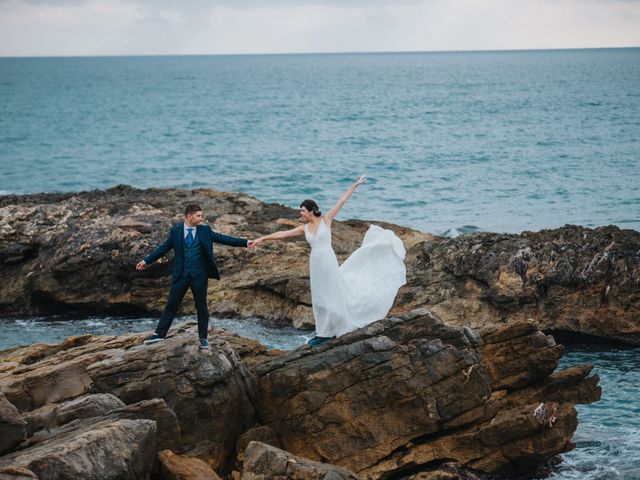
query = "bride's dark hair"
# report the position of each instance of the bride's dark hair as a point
(311, 206)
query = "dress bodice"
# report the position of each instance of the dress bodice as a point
(322, 238)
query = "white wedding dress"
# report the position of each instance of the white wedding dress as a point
(362, 289)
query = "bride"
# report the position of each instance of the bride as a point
(361, 290)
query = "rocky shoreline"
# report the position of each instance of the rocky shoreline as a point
(77, 251)
(409, 397)
(459, 382)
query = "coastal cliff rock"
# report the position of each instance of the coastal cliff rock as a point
(399, 397)
(108, 449)
(12, 425)
(77, 251)
(570, 279)
(265, 462)
(190, 394)
(407, 392)
(178, 467)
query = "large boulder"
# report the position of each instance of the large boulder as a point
(85, 406)
(12, 425)
(571, 279)
(77, 251)
(193, 394)
(178, 467)
(391, 400)
(413, 391)
(265, 462)
(121, 449)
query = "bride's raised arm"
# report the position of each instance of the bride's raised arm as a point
(282, 234)
(340, 203)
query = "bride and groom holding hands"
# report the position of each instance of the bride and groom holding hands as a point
(344, 297)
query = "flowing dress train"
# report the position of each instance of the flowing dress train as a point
(361, 290)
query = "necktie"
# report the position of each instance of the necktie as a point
(189, 240)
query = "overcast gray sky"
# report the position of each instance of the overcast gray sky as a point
(135, 27)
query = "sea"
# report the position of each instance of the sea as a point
(451, 143)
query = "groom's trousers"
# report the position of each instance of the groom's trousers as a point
(198, 285)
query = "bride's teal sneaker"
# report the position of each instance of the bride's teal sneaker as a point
(316, 341)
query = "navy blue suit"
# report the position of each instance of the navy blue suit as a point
(191, 269)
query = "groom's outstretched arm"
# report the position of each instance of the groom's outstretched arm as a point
(229, 240)
(160, 251)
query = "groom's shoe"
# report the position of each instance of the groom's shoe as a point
(203, 343)
(153, 339)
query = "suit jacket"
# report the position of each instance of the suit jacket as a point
(205, 237)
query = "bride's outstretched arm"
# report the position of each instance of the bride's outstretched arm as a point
(340, 203)
(283, 234)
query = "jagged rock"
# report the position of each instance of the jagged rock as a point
(77, 251)
(259, 433)
(265, 462)
(17, 473)
(572, 279)
(168, 433)
(121, 449)
(203, 389)
(156, 410)
(61, 252)
(86, 406)
(411, 391)
(12, 425)
(178, 467)
(394, 399)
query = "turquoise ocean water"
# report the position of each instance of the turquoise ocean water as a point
(451, 142)
(500, 141)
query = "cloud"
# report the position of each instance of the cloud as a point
(119, 27)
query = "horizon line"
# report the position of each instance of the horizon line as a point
(354, 52)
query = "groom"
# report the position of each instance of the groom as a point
(193, 263)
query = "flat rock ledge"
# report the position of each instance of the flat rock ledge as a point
(76, 252)
(408, 397)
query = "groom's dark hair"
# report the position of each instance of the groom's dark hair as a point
(192, 208)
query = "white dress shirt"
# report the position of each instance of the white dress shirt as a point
(186, 231)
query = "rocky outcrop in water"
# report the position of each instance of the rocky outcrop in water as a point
(76, 252)
(411, 392)
(570, 279)
(400, 397)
